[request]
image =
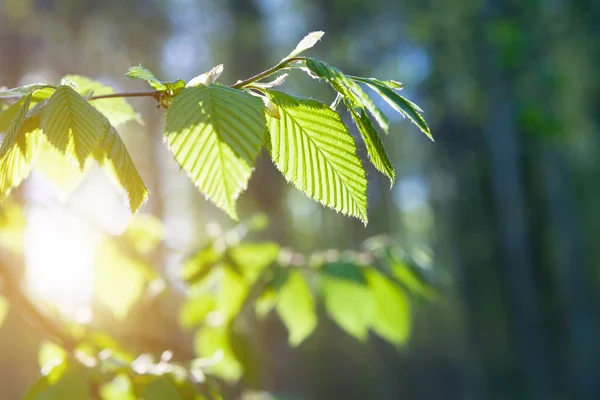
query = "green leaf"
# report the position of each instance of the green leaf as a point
(144, 232)
(252, 258)
(231, 294)
(120, 388)
(4, 305)
(403, 106)
(117, 110)
(213, 342)
(162, 388)
(51, 355)
(306, 43)
(296, 307)
(207, 78)
(390, 84)
(216, 133)
(22, 91)
(196, 268)
(195, 309)
(72, 125)
(351, 305)
(74, 384)
(392, 315)
(64, 173)
(349, 89)
(314, 150)
(144, 74)
(17, 151)
(377, 153)
(8, 115)
(344, 270)
(114, 157)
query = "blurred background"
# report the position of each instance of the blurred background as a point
(506, 199)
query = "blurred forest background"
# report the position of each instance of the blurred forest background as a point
(506, 200)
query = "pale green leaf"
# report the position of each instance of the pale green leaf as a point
(72, 125)
(144, 232)
(216, 133)
(120, 388)
(252, 258)
(62, 172)
(214, 343)
(195, 309)
(114, 157)
(351, 305)
(231, 294)
(18, 149)
(390, 83)
(392, 316)
(117, 110)
(296, 307)
(73, 384)
(403, 106)
(144, 74)
(207, 78)
(4, 305)
(306, 43)
(51, 355)
(275, 82)
(377, 153)
(349, 89)
(22, 91)
(12, 226)
(266, 302)
(313, 149)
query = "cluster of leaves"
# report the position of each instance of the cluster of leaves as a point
(214, 131)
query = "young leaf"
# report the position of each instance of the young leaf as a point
(375, 148)
(350, 305)
(314, 150)
(162, 388)
(144, 74)
(207, 78)
(71, 124)
(214, 343)
(402, 105)
(392, 315)
(390, 84)
(117, 110)
(22, 91)
(216, 133)
(349, 89)
(306, 43)
(7, 116)
(17, 151)
(296, 307)
(275, 82)
(113, 155)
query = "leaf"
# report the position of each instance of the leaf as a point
(403, 106)
(296, 307)
(314, 150)
(214, 343)
(377, 153)
(63, 173)
(344, 270)
(139, 72)
(275, 82)
(51, 355)
(22, 91)
(17, 151)
(350, 305)
(200, 265)
(74, 384)
(392, 315)
(195, 309)
(231, 294)
(119, 388)
(72, 125)
(4, 305)
(117, 110)
(207, 78)
(144, 232)
(306, 43)
(253, 258)
(216, 133)
(349, 89)
(12, 227)
(390, 84)
(114, 157)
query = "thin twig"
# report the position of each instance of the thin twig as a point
(282, 65)
(154, 94)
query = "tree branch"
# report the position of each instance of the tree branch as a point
(154, 94)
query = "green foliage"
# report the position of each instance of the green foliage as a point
(296, 307)
(144, 74)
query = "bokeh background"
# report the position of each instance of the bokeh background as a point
(506, 199)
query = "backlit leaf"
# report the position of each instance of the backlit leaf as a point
(314, 150)
(390, 84)
(306, 43)
(195, 309)
(392, 315)
(207, 78)
(162, 388)
(214, 343)
(22, 91)
(117, 110)
(377, 153)
(296, 307)
(216, 133)
(252, 258)
(351, 305)
(72, 125)
(144, 74)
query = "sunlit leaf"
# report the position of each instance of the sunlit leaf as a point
(72, 125)
(216, 133)
(390, 84)
(296, 307)
(162, 388)
(349, 89)
(73, 384)
(196, 268)
(351, 305)
(344, 270)
(314, 150)
(231, 294)
(117, 110)
(207, 78)
(113, 155)
(306, 43)
(144, 74)
(377, 153)
(22, 91)
(12, 227)
(51, 355)
(275, 82)
(195, 309)
(120, 388)
(392, 315)
(62, 172)
(144, 232)
(266, 302)
(214, 343)
(252, 258)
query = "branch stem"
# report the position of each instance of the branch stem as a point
(154, 94)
